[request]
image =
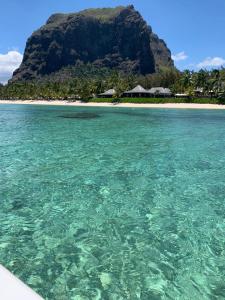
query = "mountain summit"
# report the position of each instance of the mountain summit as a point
(115, 38)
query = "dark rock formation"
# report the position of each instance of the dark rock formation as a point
(116, 38)
(162, 55)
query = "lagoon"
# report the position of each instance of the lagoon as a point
(113, 203)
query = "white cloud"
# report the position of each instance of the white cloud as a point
(8, 63)
(179, 56)
(211, 62)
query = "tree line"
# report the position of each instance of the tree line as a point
(71, 85)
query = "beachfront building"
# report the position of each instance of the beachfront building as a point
(160, 92)
(137, 92)
(108, 94)
(182, 95)
(198, 92)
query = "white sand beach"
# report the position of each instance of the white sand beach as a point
(90, 104)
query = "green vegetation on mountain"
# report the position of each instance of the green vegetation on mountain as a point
(102, 13)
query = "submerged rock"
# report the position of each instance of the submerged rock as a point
(105, 279)
(80, 116)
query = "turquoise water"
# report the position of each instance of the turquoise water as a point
(113, 203)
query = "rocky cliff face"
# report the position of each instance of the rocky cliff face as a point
(116, 38)
(162, 55)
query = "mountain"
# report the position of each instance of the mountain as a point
(114, 38)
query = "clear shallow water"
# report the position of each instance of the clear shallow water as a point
(113, 203)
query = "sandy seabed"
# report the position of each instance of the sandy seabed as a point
(147, 105)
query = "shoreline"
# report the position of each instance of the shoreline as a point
(131, 105)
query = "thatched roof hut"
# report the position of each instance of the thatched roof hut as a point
(108, 94)
(138, 91)
(160, 91)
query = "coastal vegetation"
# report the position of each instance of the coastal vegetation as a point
(86, 83)
(159, 100)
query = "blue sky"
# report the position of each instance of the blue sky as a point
(194, 30)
